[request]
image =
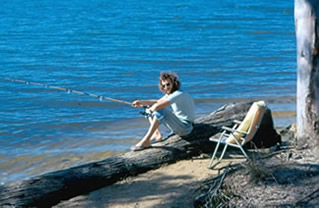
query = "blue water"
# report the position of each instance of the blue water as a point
(223, 51)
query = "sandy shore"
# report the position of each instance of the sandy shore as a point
(290, 178)
(173, 185)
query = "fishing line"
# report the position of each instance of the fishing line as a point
(67, 90)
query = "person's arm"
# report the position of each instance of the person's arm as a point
(161, 103)
(141, 103)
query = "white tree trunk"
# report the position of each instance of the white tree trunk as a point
(307, 29)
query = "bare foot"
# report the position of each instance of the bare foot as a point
(157, 139)
(157, 136)
(143, 143)
(139, 148)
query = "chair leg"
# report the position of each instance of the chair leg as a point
(243, 151)
(211, 165)
(241, 148)
(214, 155)
(224, 150)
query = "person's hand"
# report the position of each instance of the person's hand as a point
(137, 103)
(151, 109)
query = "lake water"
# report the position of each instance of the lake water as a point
(223, 51)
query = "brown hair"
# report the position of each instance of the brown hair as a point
(169, 76)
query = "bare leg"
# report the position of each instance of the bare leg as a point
(157, 136)
(153, 128)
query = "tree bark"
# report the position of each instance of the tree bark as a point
(306, 23)
(49, 189)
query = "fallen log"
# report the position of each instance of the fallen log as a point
(49, 189)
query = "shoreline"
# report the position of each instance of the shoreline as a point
(34, 165)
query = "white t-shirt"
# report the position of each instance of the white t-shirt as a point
(182, 105)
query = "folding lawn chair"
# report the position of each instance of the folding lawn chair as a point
(241, 133)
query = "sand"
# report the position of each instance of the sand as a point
(174, 185)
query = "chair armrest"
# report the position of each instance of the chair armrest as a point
(228, 129)
(233, 130)
(237, 122)
(242, 132)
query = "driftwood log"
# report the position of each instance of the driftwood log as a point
(49, 189)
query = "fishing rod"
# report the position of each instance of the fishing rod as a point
(101, 98)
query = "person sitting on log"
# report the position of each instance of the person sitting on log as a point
(179, 120)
